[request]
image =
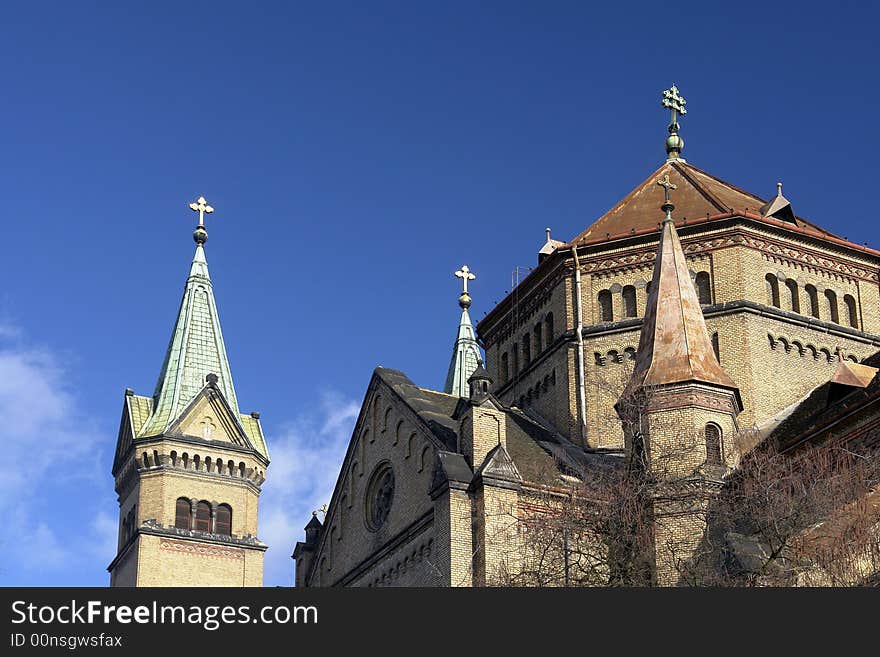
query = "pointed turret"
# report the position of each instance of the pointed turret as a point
(466, 351)
(196, 349)
(674, 346)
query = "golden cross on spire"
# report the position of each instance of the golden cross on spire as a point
(201, 206)
(465, 275)
(674, 101)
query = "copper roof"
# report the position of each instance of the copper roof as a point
(674, 346)
(698, 195)
(853, 374)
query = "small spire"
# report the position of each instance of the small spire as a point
(549, 246)
(779, 207)
(674, 345)
(466, 350)
(674, 102)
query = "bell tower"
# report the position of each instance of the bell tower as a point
(189, 465)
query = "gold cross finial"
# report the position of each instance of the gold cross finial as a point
(322, 511)
(675, 103)
(465, 275)
(201, 206)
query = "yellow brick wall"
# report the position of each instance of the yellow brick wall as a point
(381, 436)
(174, 562)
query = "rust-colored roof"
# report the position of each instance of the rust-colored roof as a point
(853, 374)
(698, 195)
(674, 346)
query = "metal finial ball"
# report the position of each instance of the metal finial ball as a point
(464, 300)
(200, 235)
(674, 143)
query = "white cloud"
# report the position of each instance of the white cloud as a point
(306, 456)
(50, 485)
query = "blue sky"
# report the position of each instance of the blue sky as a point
(356, 155)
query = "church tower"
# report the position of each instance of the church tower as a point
(678, 409)
(189, 465)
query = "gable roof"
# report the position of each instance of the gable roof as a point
(537, 450)
(698, 195)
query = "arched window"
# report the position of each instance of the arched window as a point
(514, 365)
(548, 328)
(794, 301)
(203, 517)
(539, 337)
(831, 299)
(813, 296)
(851, 313)
(527, 349)
(713, 444)
(183, 513)
(223, 520)
(241, 470)
(704, 288)
(173, 459)
(606, 307)
(716, 347)
(505, 368)
(629, 301)
(772, 290)
(230, 468)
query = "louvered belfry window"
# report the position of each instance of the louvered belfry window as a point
(183, 514)
(224, 520)
(203, 517)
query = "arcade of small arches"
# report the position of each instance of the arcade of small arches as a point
(629, 300)
(628, 354)
(785, 293)
(540, 387)
(806, 349)
(197, 463)
(411, 560)
(523, 351)
(383, 424)
(203, 516)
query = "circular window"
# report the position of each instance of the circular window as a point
(380, 495)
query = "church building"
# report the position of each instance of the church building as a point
(724, 315)
(189, 465)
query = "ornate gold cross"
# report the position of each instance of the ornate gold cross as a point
(674, 101)
(465, 275)
(201, 206)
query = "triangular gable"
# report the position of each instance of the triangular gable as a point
(352, 463)
(210, 417)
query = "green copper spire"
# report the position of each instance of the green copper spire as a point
(674, 102)
(466, 351)
(196, 348)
